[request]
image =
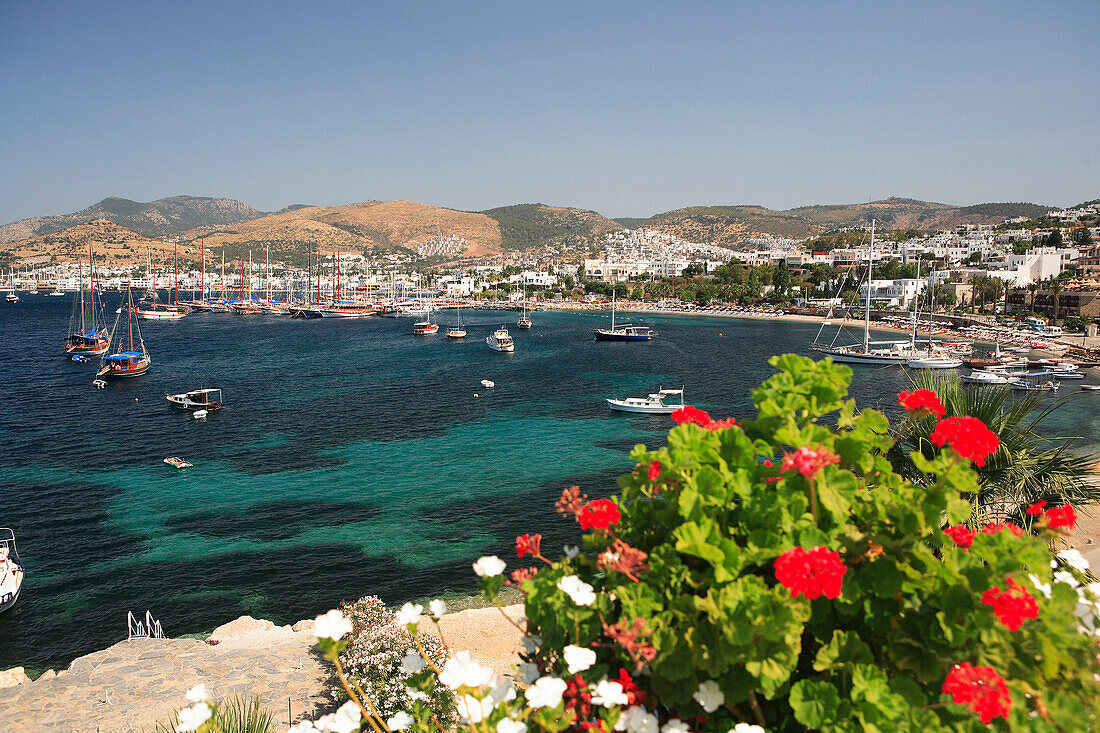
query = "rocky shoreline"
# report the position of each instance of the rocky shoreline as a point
(132, 685)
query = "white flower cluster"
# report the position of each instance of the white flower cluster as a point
(193, 716)
(346, 719)
(578, 591)
(489, 566)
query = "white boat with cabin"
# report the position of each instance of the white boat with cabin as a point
(198, 399)
(500, 340)
(653, 404)
(11, 570)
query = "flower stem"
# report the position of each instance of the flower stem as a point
(369, 715)
(424, 654)
(755, 704)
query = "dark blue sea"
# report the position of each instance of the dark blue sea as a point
(351, 458)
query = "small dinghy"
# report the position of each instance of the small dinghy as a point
(200, 414)
(488, 383)
(99, 383)
(177, 462)
(1090, 387)
(81, 359)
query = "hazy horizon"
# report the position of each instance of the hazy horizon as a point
(626, 113)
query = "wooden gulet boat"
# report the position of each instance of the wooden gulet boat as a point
(131, 361)
(87, 331)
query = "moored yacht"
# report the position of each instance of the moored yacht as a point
(653, 404)
(197, 399)
(500, 340)
(11, 570)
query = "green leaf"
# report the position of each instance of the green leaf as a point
(699, 539)
(843, 650)
(814, 703)
(836, 490)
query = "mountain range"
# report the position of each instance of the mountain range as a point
(382, 227)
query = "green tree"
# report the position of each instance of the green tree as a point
(695, 269)
(1055, 238)
(1082, 237)
(782, 279)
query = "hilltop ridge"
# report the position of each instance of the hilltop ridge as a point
(382, 228)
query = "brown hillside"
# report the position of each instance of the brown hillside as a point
(378, 226)
(113, 245)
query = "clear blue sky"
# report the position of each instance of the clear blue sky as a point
(628, 108)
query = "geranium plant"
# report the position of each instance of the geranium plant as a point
(777, 574)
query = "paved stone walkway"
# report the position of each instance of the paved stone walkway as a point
(134, 684)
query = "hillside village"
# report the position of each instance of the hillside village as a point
(1020, 264)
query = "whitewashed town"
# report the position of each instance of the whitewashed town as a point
(1007, 268)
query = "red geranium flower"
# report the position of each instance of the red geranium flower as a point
(599, 514)
(814, 573)
(995, 527)
(961, 536)
(808, 461)
(654, 470)
(689, 414)
(634, 695)
(1036, 509)
(1012, 606)
(980, 688)
(713, 425)
(921, 403)
(968, 436)
(522, 574)
(528, 544)
(1062, 516)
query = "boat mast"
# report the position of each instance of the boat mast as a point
(80, 276)
(267, 266)
(250, 275)
(913, 339)
(867, 311)
(612, 304)
(202, 277)
(223, 273)
(175, 275)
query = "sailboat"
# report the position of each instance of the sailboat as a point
(131, 361)
(868, 352)
(459, 331)
(625, 332)
(524, 321)
(87, 331)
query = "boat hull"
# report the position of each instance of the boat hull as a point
(619, 406)
(136, 371)
(603, 334)
(8, 600)
(848, 357)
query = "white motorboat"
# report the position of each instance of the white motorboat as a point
(653, 404)
(500, 340)
(11, 570)
(198, 399)
(1091, 387)
(488, 383)
(981, 376)
(11, 297)
(934, 362)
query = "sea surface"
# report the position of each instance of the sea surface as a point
(352, 458)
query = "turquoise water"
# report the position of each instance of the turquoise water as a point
(351, 458)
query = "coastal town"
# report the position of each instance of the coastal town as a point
(540, 367)
(1049, 266)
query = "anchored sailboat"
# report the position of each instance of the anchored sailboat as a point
(87, 330)
(133, 360)
(868, 352)
(625, 332)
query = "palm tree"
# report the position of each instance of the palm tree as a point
(1028, 467)
(1056, 287)
(1032, 287)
